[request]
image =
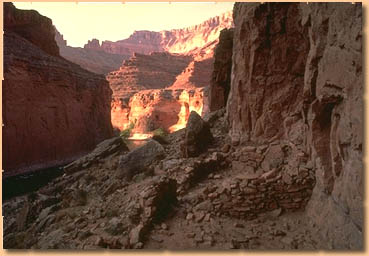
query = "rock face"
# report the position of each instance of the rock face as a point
(141, 72)
(198, 136)
(99, 62)
(140, 159)
(167, 109)
(297, 76)
(221, 78)
(32, 26)
(178, 61)
(143, 42)
(173, 41)
(157, 91)
(53, 110)
(102, 150)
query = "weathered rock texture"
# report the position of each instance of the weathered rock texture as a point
(140, 159)
(179, 61)
(173, 41)
(53, 110)
(33, 27)
(221, 77)
(102, 150)
(99, 62)
(297, 77)
(147, 91)
(198, 136)
(154, 71)
(152, 109)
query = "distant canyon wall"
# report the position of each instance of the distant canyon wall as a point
(156, 91)
(297, 76)
(149, 110)
(182, 41)
(166, 77)
(99, 62)
(53, 110)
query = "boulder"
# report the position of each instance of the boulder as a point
(198, 136)
(102, 150)
(140, 159)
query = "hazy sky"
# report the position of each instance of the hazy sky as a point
(115, 21)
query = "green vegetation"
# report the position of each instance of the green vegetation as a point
(160, 135)
(127, 132)
(160, 132)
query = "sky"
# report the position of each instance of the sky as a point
(80, 22)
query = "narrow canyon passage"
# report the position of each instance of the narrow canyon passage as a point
(242, 132)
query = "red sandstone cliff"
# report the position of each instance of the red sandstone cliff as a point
(183, 75)
(99, 62)
(141, 72)
(53, 110)
(174, 41)
(297, 77)
(157, 91)
(221, 77)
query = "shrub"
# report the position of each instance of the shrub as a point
(160, 135)
(127, 132)
(160, 132)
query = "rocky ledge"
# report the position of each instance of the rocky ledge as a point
(115, 200)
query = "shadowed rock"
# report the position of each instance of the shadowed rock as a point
(104, 149)
(140, 159)
(198, 136)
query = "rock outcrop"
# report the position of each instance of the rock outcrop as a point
(140, 159)
(99, 62)
(174, 41)
(280, 167)
(149, 110)
(141, 72)
(198, 136)
(32, 26)
(147, 93)
(297, 77)
(102, 150)
(221, 77)
(53, 110)
(178, 61)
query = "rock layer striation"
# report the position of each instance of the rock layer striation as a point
(53, 110)
(297, 77)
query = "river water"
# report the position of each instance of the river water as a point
(30, 182)
(26, 183)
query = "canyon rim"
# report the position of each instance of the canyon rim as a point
(244, 131)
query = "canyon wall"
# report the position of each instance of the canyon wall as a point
(141, 72)
(159, 89)
(221, 77)
(174, 41)
(149, 110)
(53, 110)
(99, 62)
(297, 77)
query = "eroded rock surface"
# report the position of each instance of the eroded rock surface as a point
(174, 41)
(140, 159)
(297, 76)
(274, 176)
(53, 110)
(102, 150)
(179, 61)
(221, 77)
(99, 62)
(198, 136)
(144, 93)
